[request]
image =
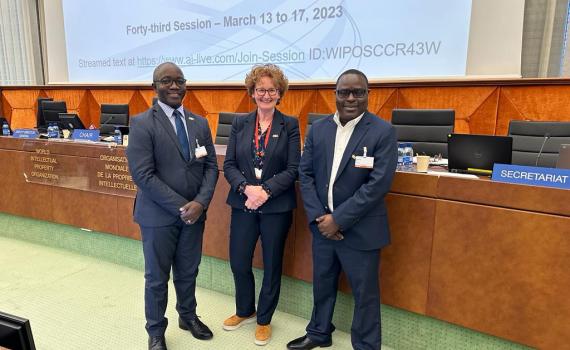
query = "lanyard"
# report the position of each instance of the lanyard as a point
(267, 132)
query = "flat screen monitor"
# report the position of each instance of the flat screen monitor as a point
(51, 110)
(476, 153)
(70, 121)
(15, 333)
(41, 123)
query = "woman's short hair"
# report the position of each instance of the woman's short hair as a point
(266, 70)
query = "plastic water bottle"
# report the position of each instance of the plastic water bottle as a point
(400, 156)
(5, 129)
(56, 131)
(50, 131)
(118, 137)
(408, 158)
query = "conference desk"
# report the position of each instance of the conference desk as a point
(488, 256)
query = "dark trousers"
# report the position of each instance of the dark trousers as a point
(361, 268)
(178, 246)
(245, 229)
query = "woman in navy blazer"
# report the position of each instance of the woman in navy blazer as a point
(261, 167)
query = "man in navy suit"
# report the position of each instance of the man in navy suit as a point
(173, 163)
(346, 170)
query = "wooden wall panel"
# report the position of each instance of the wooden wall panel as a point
(19, 107)
(482, 107)
(494, 268)
(533, 103)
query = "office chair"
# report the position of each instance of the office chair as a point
(225, 120)
(426, 129)
(529, 137)
(40, 121)
(311, 118)
(113, 115)
(154, 100)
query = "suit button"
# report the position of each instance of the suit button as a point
(327, 185)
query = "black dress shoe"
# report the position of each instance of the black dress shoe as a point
(305, 343)
(196, 327)
(157, 343)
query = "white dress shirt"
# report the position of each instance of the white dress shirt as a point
(169, 111)
(343, 134)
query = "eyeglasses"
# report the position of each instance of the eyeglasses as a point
(261, 92)
(168, 81)
(357, 93)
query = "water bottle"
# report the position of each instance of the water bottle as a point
(56, 131)
(408, 158)
(400, 156)
(118, 136)
(5, 129)
(50, 131)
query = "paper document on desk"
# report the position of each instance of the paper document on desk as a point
(443, 173)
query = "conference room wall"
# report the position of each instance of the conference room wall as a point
(482, 107)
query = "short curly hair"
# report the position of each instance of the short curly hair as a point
(267, 70)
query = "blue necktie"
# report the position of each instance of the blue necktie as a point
(181, 133)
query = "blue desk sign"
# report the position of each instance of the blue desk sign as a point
(530, 175)
(86, 134)
(26, 134)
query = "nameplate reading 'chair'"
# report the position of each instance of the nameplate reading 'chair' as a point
(426, 129)
(225, 120)
(529, 137)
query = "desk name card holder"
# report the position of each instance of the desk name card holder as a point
(530, 175)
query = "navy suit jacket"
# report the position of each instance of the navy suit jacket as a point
(358, 193)
(165, 180)
(280, 168)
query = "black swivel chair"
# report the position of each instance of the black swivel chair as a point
(40, 122)
(113, 115)
(154, 100)
(51, 110)
(311, 118)
(426, 129)
(530, 136)
(225, 120)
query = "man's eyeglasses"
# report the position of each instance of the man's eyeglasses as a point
(261, 92)
(357, 93)
(168, 81)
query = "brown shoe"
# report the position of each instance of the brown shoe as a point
(262, 334)
(234, 322)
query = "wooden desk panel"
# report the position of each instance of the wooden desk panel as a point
(488, 256)
(503, 272)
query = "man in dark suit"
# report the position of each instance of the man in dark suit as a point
(173, 163)
(346, 170)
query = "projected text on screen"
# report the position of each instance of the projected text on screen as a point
(125, 40)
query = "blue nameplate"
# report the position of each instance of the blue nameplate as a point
(86, 134)
(26, 134)
(530, 175)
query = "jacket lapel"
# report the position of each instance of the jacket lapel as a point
(167, 126)
(330, 139)
(274, 135)
(190, 125)
(359, 131)
(245, 138)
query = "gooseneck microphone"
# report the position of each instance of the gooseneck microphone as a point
(546, 137)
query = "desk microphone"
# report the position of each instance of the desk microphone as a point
(546, 137)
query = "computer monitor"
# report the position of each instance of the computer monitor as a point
(40, 121)
(51, 110)
(15, 333)
(70, 121)
(478, 153)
